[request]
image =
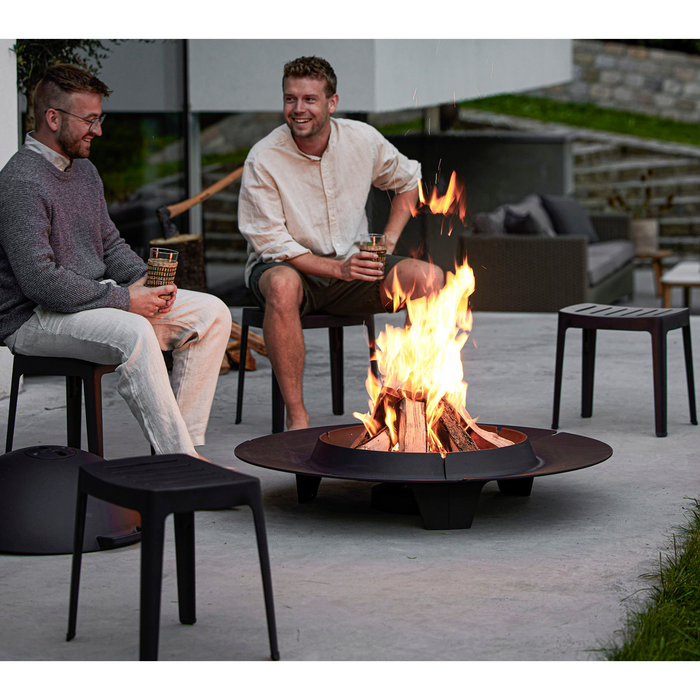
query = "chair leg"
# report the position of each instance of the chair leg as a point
(241, 373)
(587, 371)
(74, 405)
(277, 406)
(335, 340)
(93, 415)
(151, 584)
(12, 410)
(688, 350)
(255, 502)
(184, 555)
(658, 346)
(78, 536)
(371, 338)
(558, 368)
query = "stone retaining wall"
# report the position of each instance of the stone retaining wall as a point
(633, 78)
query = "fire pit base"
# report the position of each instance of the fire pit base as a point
(449, 506)
(443, 501)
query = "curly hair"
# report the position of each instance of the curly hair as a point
(312, 67)
(62, 79)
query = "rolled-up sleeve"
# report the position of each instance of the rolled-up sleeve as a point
(392, 170)
(261, 217)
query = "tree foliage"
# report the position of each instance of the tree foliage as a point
(34, 56)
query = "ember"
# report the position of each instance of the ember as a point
(419, 405)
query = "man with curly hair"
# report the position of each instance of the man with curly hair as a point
(302, 212)
(70, 286)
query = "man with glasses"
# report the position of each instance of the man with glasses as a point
(70, 286)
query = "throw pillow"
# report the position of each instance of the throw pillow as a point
(569, 217)
(520, 223)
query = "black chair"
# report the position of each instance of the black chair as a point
(155, 487)
(252, 316)
(593, 317)
(78, 373)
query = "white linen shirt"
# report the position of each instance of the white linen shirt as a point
(293, 203)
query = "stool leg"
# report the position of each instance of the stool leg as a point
(74, 405)
(184, 555)
(78, 535)
(369, 322)
(241, 373)
(152, 531)
(587, 371)
(335, 340)
(255, 503)
(558, 368)
(12, 409)
(688, 350)
(277, 406)
(93, 415)
(658, 347)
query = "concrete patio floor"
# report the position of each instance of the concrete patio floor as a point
(538, 578)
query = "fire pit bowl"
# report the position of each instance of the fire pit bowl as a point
(444, 491)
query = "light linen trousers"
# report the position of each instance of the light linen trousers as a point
(174, 416)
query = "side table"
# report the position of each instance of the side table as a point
(684, 274)
(656, 257)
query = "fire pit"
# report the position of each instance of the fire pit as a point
(443, 490)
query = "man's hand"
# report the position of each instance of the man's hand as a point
(146, 301)
(362, 266)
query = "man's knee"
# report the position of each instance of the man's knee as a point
(420, 276)
(282, 288)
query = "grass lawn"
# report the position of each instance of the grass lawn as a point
(588, 116)
(667, 628)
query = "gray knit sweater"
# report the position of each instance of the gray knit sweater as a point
(57, 242)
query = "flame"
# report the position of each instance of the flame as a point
(453, 202)
(423, 359)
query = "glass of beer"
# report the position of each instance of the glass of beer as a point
(162, 266)
(374, 243)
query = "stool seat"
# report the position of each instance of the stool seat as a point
(78, 374)
(253, 316)
(658, 322)
(156, 486)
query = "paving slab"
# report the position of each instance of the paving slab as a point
(538, 578)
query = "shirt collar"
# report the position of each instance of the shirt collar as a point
(60, 161)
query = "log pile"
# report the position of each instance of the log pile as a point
(232, 356)
(402, 426)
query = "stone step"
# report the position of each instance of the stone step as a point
(585, 148)
(691, 201)
(655, 183)
(640, 164)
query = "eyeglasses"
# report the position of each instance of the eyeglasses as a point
(91, 122)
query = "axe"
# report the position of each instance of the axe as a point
(165, 214)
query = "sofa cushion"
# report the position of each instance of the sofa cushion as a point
(607, 257)
(532, 205)
(490, 223)
(569, 217)
(520, 223)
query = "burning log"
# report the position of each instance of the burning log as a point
(451, 422)
(388, 399)
(413, 426)
(381, 442)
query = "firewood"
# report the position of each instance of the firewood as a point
(233, 351)
(413, 429)
(225, 365)
(386, 397)
(485, 439)
(381, 442)
(255, 341)
(450, 420)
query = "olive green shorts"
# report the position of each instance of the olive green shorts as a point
(328, 295)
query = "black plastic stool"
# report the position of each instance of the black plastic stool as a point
(593, 317)
(78, 373)
(253, 316)
(156, 486)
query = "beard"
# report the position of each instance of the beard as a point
(72, 145)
